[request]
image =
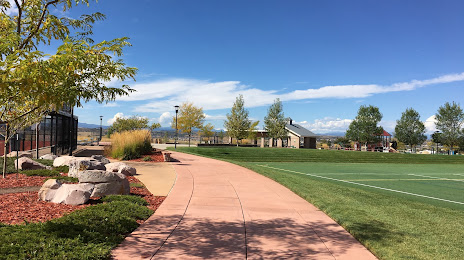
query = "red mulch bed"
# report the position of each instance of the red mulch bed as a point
(17, 208)
(23, 180)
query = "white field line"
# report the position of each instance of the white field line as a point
(445, 179)
(365, 185)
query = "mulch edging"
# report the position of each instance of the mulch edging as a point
(24, 206)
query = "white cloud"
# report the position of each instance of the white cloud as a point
(327, 124)
(215, 117)
(113, 104)
(163, 95)
(13, 10)
(165, 118)
(429, 124)
(118, 115)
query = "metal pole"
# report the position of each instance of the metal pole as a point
(71, 133)
(175, 141)
(17, 155)
(37, 140)
(101, 129)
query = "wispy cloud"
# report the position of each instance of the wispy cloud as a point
(13, 10)
(113, 104)
(327, 125)
(163, 95)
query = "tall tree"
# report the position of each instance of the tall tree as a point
(363, 128)
(206, 131)
(409, 129)
(33, 83)
(275, 121)
(131, 123)
(450, 119)
(237, 123)
(189, 118)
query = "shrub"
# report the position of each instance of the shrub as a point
(130, 144)
(89, 233)
(128, 198)
(62, 168)
(147, 159)
(65, 179)
(42, 172)
(10, 166)
(44, 162)
(136, 185)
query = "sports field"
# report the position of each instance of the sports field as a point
(400, 206)
(437, 184)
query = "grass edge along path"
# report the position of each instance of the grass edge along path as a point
(389, 226)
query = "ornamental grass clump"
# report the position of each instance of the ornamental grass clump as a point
(130, 145)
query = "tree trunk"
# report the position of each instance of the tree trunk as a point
(189, 140)
(5, 150)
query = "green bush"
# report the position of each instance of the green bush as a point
(129, 198)
(10, 166)
(64, 179)
(62, 168)
(137, 185)
(89, 233)
(42, 172)
(147, 159)
(44, 162)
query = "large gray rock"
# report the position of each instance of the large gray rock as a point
(48, 189)
(20, 154)
(121, 168)
(63, 160)
(49, 157)
(106, 183)
(73, 194)
(96, 176)
(79, 165)
(26, 163)
(100, 158)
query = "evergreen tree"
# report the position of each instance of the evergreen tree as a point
(409, 129)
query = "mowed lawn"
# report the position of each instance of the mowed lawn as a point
(400, 206)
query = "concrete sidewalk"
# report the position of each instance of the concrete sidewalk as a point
(221, 210)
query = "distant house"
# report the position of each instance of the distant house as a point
(298, 137)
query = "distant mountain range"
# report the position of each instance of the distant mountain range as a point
(85, 125)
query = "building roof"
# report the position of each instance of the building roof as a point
(299, 131)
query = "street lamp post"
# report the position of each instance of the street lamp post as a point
(101, 129)
(175, 141)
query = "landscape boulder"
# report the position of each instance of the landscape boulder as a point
(73, 194)
(121, 168)
(101, 159)
(106, 183)
(79, 165)
(49, 157)
(48, 189)
(63, 160)
(20, 154)
(26, 163)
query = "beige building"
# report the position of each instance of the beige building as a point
(298, 137)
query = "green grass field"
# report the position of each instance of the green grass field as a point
(400, 206)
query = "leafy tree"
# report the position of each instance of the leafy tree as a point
(131, 123)
(343, 141)
(275, 121)
(189, 118)
(252, 131)
(237, 123)
(33, 83)
(206, 130)
(450, 119)
(409, 129)
(364, 127)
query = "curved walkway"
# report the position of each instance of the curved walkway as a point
(221, 210)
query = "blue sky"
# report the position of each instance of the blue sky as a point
(323, 59)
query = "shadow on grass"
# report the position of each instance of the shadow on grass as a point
(374, 231)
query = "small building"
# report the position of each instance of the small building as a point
(298, 137)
